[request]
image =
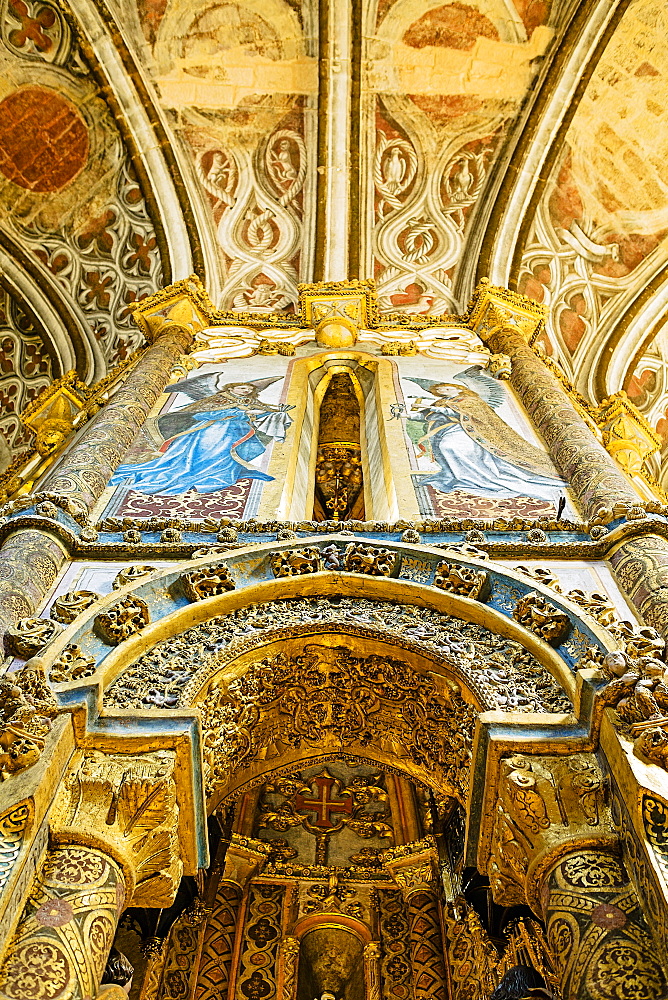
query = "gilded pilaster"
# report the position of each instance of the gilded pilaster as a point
(506, 323)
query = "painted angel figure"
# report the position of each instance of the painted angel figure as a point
(210, 443)
(476, 450)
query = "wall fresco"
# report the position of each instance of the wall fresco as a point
(206, 453)
(601, 223)
(448, 81)
(470, 448)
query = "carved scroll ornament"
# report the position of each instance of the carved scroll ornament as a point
(209, 581)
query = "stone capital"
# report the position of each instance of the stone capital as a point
(245, 857)
(546, 807)
(494, 310)
(414, 867)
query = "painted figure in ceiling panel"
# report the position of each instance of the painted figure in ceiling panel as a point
(448, 80)
(239, 82)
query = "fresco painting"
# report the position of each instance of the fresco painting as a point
(202, 455)
(471, 452)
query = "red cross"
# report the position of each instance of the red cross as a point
(324, 805)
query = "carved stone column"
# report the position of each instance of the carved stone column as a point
(414, 868)
(641, 568)
(243, 859)
(84, 472)
(554, 848)
(67, 927)
(506, 323)
(597, 932)
(29, 564)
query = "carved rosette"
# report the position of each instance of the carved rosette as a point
(123, 619)
(295, 562)
(360, 558)
(30, 636)
(537, 615)
(68, 606)
(210, 581)
(463, 581)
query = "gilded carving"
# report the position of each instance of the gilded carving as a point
(126, 617)
(545, 803)
(414, 867)
(327, 698)
(26, 709)
(500, 671)
(464, 581)
(130, 574)
(209, 581)
(30, 636)
(535, 613)
(295, 562)
(68, 606)
(71, 665)
(130, 801)
(359, 558)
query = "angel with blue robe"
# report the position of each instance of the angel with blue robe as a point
(210, 443)
(477, 452)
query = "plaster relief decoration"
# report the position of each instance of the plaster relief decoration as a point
(501, 673)
(445, 82)
(207, 453)
(239, 83)
(471, 448)
(68, 190)
(598, 233)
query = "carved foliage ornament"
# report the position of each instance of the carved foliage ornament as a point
(501, 672)
(542, 618)
(294, 562)
(124, 618)
(209, 581)
(30, 636)
(131, 800)
(71, 665)
(68, 606)
(26, 709)
(328, 699)
(463, 581)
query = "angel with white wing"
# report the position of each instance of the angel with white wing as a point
(210, 443)
(477, 452)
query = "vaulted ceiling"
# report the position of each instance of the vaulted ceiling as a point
(262, 143)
